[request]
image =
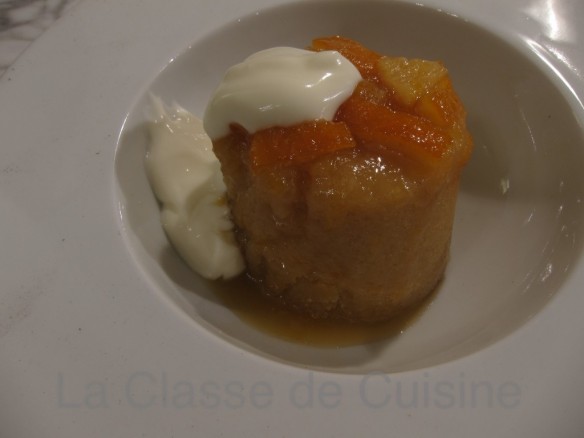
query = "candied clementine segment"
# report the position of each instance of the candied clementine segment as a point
(410, 79)
(363, 58)
(442, 106)
(298, 144)
(378, 127)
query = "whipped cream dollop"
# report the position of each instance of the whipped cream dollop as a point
(186, 178)
(281, 86)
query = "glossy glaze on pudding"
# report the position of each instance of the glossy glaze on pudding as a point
(351, 218)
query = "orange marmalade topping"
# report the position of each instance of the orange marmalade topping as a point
(403, 106)
(298, 144)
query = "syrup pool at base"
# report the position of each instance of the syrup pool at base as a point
(242, 296)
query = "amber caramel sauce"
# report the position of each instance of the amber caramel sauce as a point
(243, 297)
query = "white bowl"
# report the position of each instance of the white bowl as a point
(518, 223)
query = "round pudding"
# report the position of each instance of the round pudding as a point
(347, 214)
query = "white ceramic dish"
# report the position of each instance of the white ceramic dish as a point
(104, 332)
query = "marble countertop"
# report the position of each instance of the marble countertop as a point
(22, 21)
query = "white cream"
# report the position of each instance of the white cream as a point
(186, 178)
(282, 86)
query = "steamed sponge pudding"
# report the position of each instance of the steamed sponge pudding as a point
(352, 217)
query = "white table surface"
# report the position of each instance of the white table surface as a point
(23, 21)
